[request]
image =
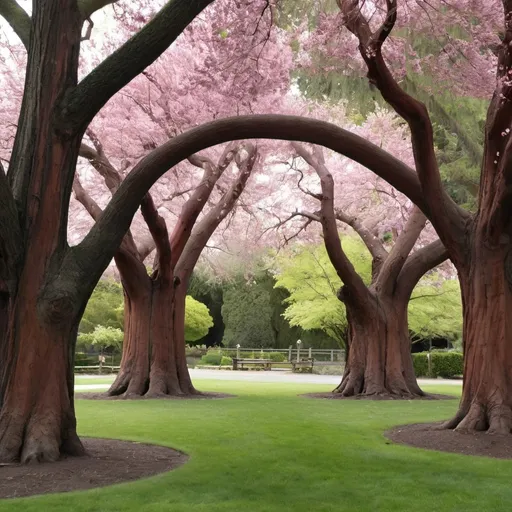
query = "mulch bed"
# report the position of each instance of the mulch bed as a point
(198, 396)
(338, 396)
(432, 437)
(108, 462)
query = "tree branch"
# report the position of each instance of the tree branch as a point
(127, 62)
(11, 239)
(95, 251)
(344, 268)
(207, 226)
(418, 264)
(18, 19)
(88, 7)
(193, 207)
(448, 218)
(398, 256)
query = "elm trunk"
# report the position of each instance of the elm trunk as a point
(379, 359)
(486, 402)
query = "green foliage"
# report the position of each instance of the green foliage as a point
(446, 365)
(420, 363)
(103, 338)
(195, 351)
(277, 357)
(213, 357)
(435, 309)
(310, 279)
(226, 361)
(105, 307)
(247, 312)
(197, 320)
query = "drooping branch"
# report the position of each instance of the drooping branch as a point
(18, 19)
(398, 255)
(95, 251)
(130, 60)
(418, 264)
(207, 226)
(447, 217)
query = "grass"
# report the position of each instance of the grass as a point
(270, 450)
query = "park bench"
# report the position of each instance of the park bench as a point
(303, 363)
(238, 363)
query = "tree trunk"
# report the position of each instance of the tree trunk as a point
(379, 361)
(486, 402)
(153, 362)
(37, 420)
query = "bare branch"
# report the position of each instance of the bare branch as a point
(88, 7)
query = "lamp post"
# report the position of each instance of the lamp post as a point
(238, 351)
(298, 349)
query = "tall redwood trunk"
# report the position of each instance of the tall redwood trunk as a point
(153, 362)
(486, 402)
(379, 360)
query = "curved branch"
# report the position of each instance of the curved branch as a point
(418, 264)
(18, 19)
(130, 60)
(398, 255)
(95, 251)
(88, 7)
(448, 218)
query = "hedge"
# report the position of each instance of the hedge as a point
(446, 365)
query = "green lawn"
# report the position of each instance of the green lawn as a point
(269, 450)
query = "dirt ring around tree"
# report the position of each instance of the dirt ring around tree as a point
(198, 396)
(337, 396)
(108, 462)
(431, 436)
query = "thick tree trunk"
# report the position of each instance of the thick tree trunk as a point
(486, 402)
(37, 420)
(153, 362)
(379, 361)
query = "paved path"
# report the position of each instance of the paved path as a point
(261, 376)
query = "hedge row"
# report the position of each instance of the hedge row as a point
(446, 365)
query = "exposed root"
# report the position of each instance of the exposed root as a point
(494, 419)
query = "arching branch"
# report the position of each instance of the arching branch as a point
(94, 252)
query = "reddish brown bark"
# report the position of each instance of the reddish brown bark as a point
(154, 360)
(479, 246)
(379, 358)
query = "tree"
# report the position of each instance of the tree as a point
(378, 344)
(478, 245)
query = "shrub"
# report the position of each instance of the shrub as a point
(212, 357)
(277, 357)
(446, 365)
(198, 351)
(420, 363)
(226, 361)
